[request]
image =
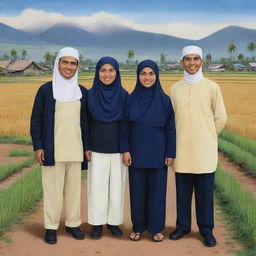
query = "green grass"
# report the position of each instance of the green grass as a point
(243, 143)
(16, 140)
(245, 159)
(19, 199)
(8, 169)
(240, 207)
(20, 152)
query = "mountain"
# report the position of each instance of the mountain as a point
(118, 41)
(12, 35)
(63, 34)
(218, 41)
(122, 38)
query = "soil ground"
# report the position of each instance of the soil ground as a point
(27, 238)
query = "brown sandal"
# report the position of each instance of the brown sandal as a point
(135, 236)
(158, 237)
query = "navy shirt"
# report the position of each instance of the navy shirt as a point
(105, 136)
(148, 145)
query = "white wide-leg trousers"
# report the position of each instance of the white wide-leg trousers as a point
(106, 186)
(62, 184)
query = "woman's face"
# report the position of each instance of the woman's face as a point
(107, 74)
(147, 77)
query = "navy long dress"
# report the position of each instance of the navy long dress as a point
(148, 133)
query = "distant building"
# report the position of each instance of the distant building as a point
(252, 66)
(20, 67)
(171, 67)
(3, 66)
(217, 67)
(239, 67)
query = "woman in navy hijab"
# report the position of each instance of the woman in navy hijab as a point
(148, 141)
(107, 174)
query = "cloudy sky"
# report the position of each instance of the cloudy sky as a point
(181, 18)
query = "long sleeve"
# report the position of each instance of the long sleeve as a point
(124, 134)
(170, 131)
(85, 122)
(36, 121)
(219, 110)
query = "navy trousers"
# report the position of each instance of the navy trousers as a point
(148, 198)
(203, 185)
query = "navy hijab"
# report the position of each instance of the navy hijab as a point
(106, 102)
(147, 103)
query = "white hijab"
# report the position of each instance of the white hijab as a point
(198, 76)
(65, 90)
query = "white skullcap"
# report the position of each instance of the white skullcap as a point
(192, 49)
(68, 51)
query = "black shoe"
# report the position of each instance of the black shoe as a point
(209, 240)
(115, 230)
(76, 233)
(96, 232)
(177, 234)
(50, 236)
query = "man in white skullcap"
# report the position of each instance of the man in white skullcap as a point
(60, 138)
(200, 115)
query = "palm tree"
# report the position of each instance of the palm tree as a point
(24, 54)
(13, 54)
(251, 47)
(81, 59)
(130, 55)
(54, 57)
(163, 58)
(231, 48)
(48, 57)
(5, 57)
(241, 57)
(208, 58)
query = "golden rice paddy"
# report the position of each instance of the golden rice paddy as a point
(239, 93)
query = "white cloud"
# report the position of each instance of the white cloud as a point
(39, 20)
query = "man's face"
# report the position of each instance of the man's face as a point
(68, 66)
(191, 63)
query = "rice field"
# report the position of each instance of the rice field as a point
(239, 92)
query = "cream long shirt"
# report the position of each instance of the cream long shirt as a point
(200, 115)
(67, 132)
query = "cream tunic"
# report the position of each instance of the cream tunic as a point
(67, 132)
(200, 115)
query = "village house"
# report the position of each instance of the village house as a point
(217, 68)
(20, 67)
(239, 67)
(252, 66)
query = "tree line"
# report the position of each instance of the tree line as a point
(130, 62)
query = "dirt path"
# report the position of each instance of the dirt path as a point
(27, 240)
(246, 180)
(5, 150)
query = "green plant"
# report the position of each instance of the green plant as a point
(239, 205)
(8, 169)
(21, 152)
(245, 159)
(19, 198)
(244, 143)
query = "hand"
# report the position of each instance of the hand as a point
(39, 154)
(127, 160)
(169, 161)
(88, 155)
